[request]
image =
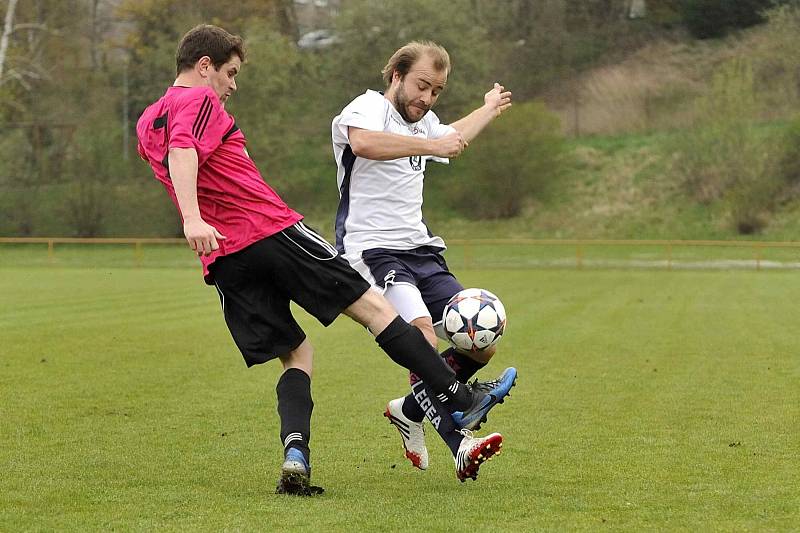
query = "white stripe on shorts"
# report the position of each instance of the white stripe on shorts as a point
(316, 237)
(221, 296)
(310, 235)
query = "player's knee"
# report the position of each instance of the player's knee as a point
(372, 310)
(425, 325)
(301, 358)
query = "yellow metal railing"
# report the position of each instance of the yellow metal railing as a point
(470, 247)
(137, 243)
(580, 246)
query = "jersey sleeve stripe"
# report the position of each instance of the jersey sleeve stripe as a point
(160, 122)
(231, 131)
(202, 128)
(198, 125)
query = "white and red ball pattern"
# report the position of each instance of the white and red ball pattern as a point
(474, 319)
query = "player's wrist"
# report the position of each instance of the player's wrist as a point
(491, 109)
(431, 147)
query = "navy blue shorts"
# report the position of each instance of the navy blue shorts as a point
(423, 267)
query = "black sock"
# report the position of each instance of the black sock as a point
(439, 416)
(465, 367)
(407, 346)
(294, 409)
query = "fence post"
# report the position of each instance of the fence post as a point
(758, 256)
(669, 256)
(138, 253)
(50, 251)
(578, 256)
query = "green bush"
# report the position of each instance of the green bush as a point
(790, 162)
(514, 160)
(729, 157)
(776, 61)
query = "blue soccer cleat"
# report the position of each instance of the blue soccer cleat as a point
(296, 476)
(487, 394)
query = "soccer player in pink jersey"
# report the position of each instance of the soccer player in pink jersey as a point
(260, 256)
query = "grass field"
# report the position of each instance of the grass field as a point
(647, 400)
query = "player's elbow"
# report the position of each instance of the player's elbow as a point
(359, 147)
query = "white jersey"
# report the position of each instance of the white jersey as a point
(380, 202)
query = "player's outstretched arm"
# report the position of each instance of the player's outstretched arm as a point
(382, 146)
(495, 102)
(202, 237)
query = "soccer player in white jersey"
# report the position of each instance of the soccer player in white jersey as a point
(382, 143)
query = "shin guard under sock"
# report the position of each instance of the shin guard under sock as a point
(438, 415)
(294, 409)
(464, 366)
(407, 346)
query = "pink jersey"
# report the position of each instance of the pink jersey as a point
(230, 190)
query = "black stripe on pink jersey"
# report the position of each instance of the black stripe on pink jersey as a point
(231, 131)
(160, 122)
(199, 126)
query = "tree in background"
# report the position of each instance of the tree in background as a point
(45, 76)
(76, 74)
(729, 157)
(5, 36)
(371, 31)
(276, 98)
(715, 18)
(517, 159)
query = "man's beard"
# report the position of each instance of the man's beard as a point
(401, 104)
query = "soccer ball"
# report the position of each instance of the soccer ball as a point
(474, 319)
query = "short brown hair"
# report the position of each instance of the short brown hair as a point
(207, 40)
(403, 59)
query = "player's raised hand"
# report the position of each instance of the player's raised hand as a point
(451, 145)
(202, 237)
(498, 99)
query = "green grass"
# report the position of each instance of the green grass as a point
(461, 254)
(647, 400)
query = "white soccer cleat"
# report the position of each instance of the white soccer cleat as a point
(473, 451)
(413, 433)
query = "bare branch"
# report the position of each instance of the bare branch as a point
(13, 74)
(34, 26)
(8, 27)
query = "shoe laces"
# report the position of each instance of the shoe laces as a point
(467, 433)
(484, 386)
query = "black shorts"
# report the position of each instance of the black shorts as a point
(257, 283)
